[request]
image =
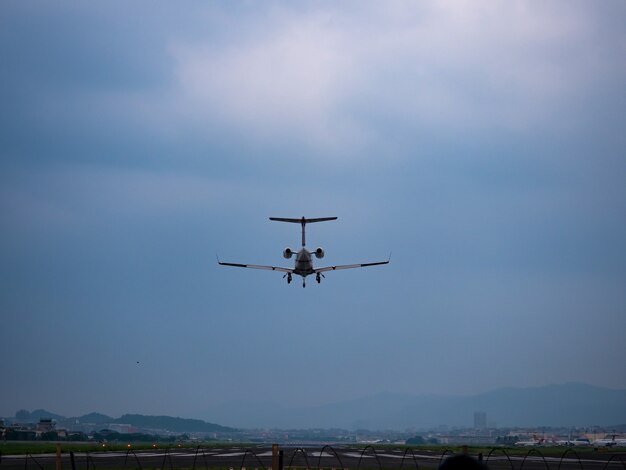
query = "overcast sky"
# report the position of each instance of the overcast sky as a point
(483, 143)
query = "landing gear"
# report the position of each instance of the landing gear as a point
(288, 278)
(318, 278)
(303, 283)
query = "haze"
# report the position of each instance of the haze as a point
(482, 143)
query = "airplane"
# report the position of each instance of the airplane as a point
(304, 260)
(610, 442)
(529, 443)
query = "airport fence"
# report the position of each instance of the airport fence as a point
(368, 458)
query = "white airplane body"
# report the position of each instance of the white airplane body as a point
(580, 441)
(529, 443)
(304, 258)
(610, 442)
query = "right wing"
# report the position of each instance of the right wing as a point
(257, 266)
(348, 266)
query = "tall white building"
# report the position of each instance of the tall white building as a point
(480, 419)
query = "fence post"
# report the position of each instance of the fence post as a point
(274, 456)
(58, 460)
(72, 460)
(280, 460)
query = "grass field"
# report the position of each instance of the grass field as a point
(31, 447)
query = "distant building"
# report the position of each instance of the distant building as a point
(480, 419)
(45, 425)
(122, 428)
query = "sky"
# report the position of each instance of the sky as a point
(481, 143)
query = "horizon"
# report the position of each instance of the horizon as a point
(357, 398)
(566, 392)
(482, 144)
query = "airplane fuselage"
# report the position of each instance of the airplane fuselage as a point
(304, 263)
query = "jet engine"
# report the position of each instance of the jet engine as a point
(287, 253)
(319, 253)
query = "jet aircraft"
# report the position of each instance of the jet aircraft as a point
(304, 258)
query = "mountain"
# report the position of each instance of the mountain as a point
(176, 425)
(95, 418)
(25, 416)
(563, 405)
(171, 424)
(570, 404)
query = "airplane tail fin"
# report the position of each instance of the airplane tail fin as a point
(303, 221)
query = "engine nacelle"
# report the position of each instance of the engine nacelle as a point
(287, 253)
(319, 253)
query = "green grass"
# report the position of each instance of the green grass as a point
(33, 447)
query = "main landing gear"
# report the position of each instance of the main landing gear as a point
(318, 278)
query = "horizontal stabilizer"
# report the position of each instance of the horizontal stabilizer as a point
(302, 220)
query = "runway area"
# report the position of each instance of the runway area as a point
(329, 458)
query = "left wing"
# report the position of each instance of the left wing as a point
(348, 266)
(257, 266)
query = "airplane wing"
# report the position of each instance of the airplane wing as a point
(258, 266)
(348, 266)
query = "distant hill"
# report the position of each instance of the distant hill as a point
(570, 404)
(176, 425)
(95, 418)
(171, 424)
(25, 416)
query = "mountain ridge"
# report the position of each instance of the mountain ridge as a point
(568, 404)
(173, 424)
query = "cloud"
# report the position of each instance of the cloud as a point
(284, 84)
(330, 77)
(339, 83)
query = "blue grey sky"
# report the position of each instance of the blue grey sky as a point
(482, 143)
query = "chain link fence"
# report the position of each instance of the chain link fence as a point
(324, 458)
